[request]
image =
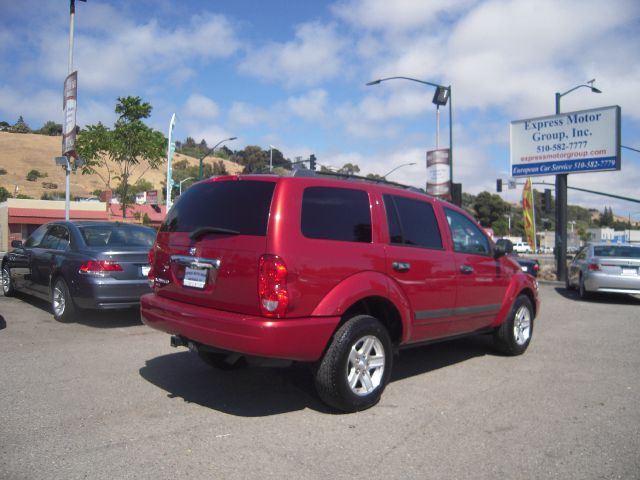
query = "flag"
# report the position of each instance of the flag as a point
(529, 214)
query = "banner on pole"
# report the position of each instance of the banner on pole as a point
(69, 105)
(529, 214)
(439, 173)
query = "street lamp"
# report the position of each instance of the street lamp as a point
(442, 95)
(396, 168)
(181, 182)
(211, 150)
(561, 198)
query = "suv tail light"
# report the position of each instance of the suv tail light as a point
(272, 286)
(99, 267)
(151, 256)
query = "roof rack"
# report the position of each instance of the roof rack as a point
(346, 176)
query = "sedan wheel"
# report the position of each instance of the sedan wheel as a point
(61, 302)
(7, 285)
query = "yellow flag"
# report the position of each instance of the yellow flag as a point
(529, 215)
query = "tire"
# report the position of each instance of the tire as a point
(64, 310)
(7, 284)
(582, 290)
(357, 365)
(514, 335)
(220, 361)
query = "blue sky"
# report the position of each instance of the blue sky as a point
(293, 74)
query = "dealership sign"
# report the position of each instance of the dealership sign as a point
(584, 141)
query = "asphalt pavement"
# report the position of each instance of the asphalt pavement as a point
(108, 398)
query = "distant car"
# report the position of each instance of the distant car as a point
(606, 268)
(92, 265)
(530, 266)
(521, 247)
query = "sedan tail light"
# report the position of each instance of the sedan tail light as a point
(594, 267)
(272, 286)
(99, 267)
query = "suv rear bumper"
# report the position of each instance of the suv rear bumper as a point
(300, 339)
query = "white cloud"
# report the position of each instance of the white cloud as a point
(245, 115)
(397, 16)
(310, 106)
(199, 106)
(313, 56)
(129, 54)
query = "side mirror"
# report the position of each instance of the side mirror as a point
(499, 250)
(16, 243)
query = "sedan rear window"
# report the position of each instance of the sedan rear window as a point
(117, 236)
(616, 251)
(241, 207)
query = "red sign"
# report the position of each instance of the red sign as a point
(152, 197)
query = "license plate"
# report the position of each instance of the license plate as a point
(629, 271)
(195, 277)
(145, 270)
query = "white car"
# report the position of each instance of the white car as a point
(521, 247)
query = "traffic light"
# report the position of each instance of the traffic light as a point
(312, 162)
(456, 194)
(499, 185)
(547, 200)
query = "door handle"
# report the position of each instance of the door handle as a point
(466, 269)
(401, 266)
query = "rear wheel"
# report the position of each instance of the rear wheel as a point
(357, 366)
(62, 304)
(514, 335)
(7, 284)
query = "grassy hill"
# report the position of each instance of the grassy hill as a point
(22, 152)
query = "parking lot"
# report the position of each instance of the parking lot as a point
(109, 398)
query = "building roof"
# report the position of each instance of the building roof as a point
(156, 215)
(19, 215)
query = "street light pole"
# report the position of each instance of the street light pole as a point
(396, 168)
(561, 199)
(181, 182)
(270, 158)
(211, 151)
(440, 88)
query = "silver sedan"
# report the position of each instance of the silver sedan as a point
(606, 268)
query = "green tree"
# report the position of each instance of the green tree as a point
(21, 126)
(4, 194)
(489, 208)
(51, 128)
(131, 148)
(349, 169)
(254, 159)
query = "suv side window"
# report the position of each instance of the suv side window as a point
(332, 213)
(467, 237)
(412, 222)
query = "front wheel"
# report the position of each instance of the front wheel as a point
(7, 284)
(357, 365)
(62, 304)
(513, 336)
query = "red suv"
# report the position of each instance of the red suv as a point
(337, 273)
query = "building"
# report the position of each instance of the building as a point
(19, 217)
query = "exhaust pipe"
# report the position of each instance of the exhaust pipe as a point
(177, 341)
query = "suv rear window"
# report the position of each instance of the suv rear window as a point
(242, 206)
(412, 222)
(333, 213)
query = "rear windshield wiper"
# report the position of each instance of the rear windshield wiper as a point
(200, 231)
